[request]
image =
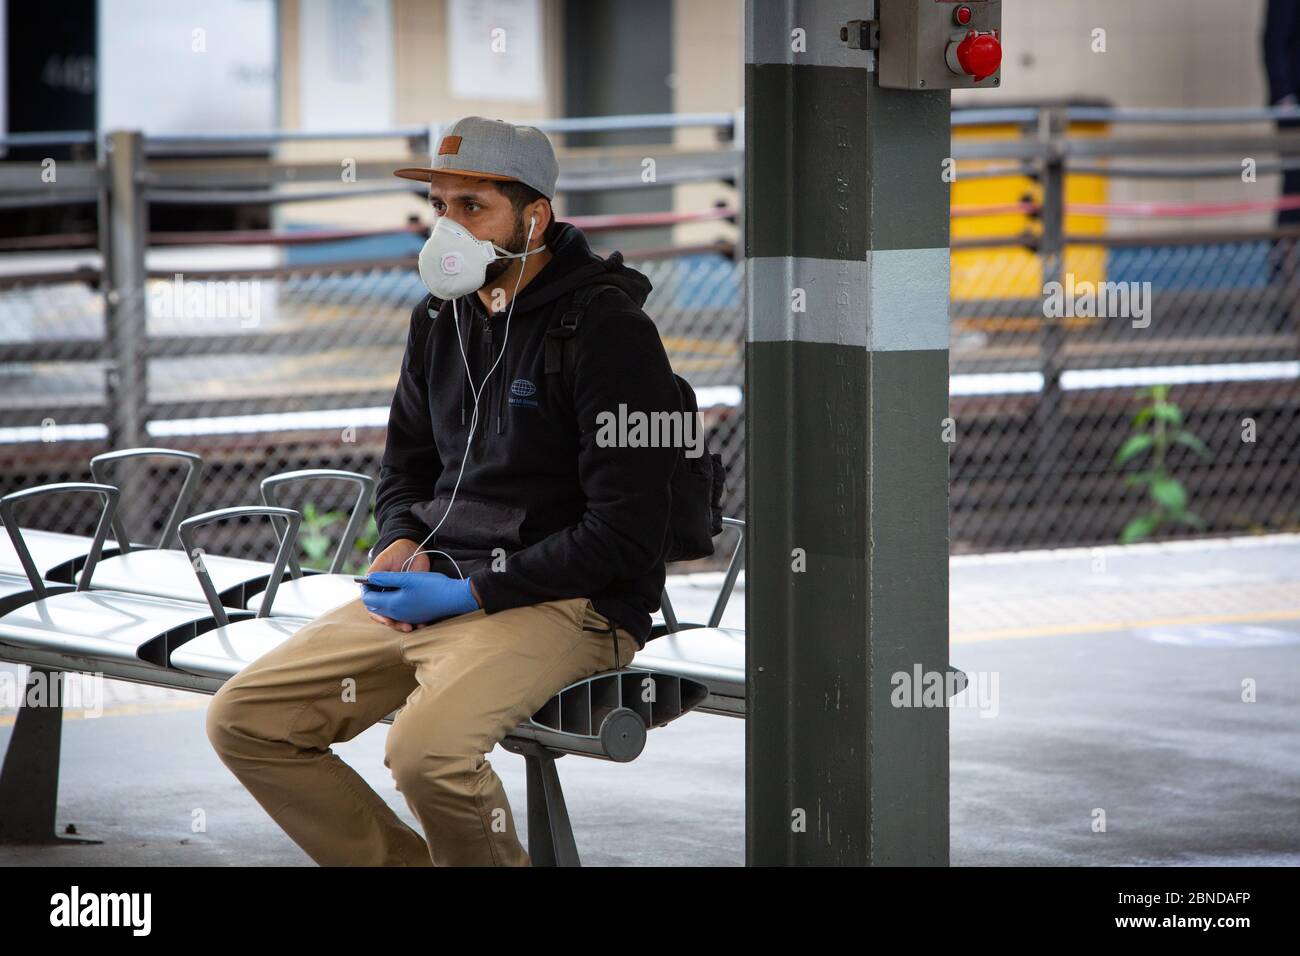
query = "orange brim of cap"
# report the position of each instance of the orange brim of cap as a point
(426, 175)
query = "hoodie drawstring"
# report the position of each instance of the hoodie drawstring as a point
(464, 382)
(505, 367)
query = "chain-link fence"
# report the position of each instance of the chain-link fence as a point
(1104, 385)
(271, 370)
(1157, 394)
(262, 373)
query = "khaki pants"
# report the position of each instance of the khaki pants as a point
(462, 684)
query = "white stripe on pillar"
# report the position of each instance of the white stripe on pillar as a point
(906, 307)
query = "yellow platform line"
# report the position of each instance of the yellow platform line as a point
(681, 343)
(123, 710)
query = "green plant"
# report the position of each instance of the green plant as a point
(315, 541)
(358, 563)
(312, 534)
(1167, 495)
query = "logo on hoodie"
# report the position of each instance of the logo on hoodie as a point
(522, 392)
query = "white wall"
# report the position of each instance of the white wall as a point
(187, 65)
(1158, 52)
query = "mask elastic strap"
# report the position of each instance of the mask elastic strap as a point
(518, 255)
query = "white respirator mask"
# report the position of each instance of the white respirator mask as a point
(454, 263)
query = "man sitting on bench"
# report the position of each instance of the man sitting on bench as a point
(547, 558)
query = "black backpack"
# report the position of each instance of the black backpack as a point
(697, 483)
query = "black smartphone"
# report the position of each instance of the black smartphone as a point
(377, 587)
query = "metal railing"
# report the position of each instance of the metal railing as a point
(1040, 404)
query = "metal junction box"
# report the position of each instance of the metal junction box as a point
(939, 44)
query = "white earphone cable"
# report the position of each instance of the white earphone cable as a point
(473, 421)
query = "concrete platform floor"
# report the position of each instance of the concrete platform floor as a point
(1119, 676)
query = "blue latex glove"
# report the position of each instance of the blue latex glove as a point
(421, 596)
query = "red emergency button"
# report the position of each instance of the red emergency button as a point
(977, 54)
(961, 16)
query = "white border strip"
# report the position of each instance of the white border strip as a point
(894, 300)
(1282, 539)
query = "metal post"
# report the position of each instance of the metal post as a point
(738, 144)
(29, 776)
(123, 234)
(846, 390)
(1049, 416)
(550, 833)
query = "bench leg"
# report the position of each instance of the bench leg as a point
(550, 835)
(29, 779)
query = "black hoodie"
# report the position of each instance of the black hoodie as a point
(543, 512)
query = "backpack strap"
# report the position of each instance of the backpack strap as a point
(559, 338)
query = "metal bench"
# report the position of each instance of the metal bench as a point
(161, 569)
(670, 623)
(197, 647)
(57, 629)
(57, 556)
(167, 642)
(19, 565)
(310, 594)
(164, 571)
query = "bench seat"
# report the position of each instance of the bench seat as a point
(57, 556)
(168, 573)
(105, 626)
(309, 596)
(714, 656)
(225, 651)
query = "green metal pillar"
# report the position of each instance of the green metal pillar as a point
(846, 392)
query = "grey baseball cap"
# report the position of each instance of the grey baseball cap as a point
(493, 149)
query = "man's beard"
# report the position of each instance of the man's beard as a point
(516, 244)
